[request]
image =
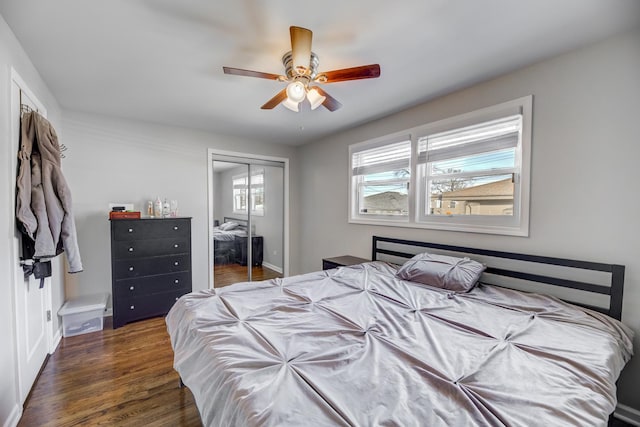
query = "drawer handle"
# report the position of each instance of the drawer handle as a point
(175, 228)
(176, 245)
(176, 263)
(131, 288)
(130, 249)
(176, 281)
(131, 268)
(131, 230)
(132, 307)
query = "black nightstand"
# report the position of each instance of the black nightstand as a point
(339, 261)
(256, 248)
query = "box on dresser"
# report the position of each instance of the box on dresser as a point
(124, 215)
(150, 266)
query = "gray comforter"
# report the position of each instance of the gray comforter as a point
(357, 346)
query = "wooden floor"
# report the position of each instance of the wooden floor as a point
(228, 274)
(121, 377)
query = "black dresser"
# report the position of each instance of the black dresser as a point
(150, 266)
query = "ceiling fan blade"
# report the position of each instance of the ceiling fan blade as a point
(300, 49)
(330, 103)
(356, 73)
(249, 73)
(273, 102)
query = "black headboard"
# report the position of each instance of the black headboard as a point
(513, 270)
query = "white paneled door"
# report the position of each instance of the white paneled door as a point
(32, 304)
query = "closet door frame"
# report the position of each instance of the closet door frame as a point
(215, 154)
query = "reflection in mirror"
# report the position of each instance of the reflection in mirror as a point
(248, 205)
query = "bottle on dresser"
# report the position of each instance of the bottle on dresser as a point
(165, 209)
(157, 208)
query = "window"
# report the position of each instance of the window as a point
(466, 173)
(240, 185)
(471, 169)
(380, 176)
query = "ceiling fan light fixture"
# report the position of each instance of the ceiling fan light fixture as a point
(296, 91)
(301, 71)
(291, 105)
(315, 99)
(300, 49)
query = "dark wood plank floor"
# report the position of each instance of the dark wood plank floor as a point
(121, 377)
(228, 274)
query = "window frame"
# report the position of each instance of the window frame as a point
(355, 184)
(246, 189)
(514, 225)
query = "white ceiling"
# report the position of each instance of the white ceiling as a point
(161, 60)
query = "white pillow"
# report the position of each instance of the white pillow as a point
(228, 226)
(441, 271)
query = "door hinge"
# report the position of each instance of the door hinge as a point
(48, 315)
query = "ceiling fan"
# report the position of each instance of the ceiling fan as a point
(301, 69)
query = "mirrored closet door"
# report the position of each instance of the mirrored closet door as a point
(248, 219)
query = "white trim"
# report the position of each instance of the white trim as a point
(211, 152)
(14, 417)
(51, 339)
(516, 225)
(485, 229)
(57, 338)
(627, 414)
(272, 267)
(210, 215)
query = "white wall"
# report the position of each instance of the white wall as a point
(12, 55)
(115, 160)
(584, 199)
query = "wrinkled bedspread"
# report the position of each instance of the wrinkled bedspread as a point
(356, 346)
(228, 235)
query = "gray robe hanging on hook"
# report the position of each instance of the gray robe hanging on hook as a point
(43, 200)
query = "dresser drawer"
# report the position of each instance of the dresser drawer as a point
(150, 229)
(128, 249)
(141, 307)
(137, 267)
(125, 289)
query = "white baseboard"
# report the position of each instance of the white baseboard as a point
(627, 414)
(57, 337)
(14, 417)
(272, 267)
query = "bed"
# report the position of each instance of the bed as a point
(363, 345)
(224, 239)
